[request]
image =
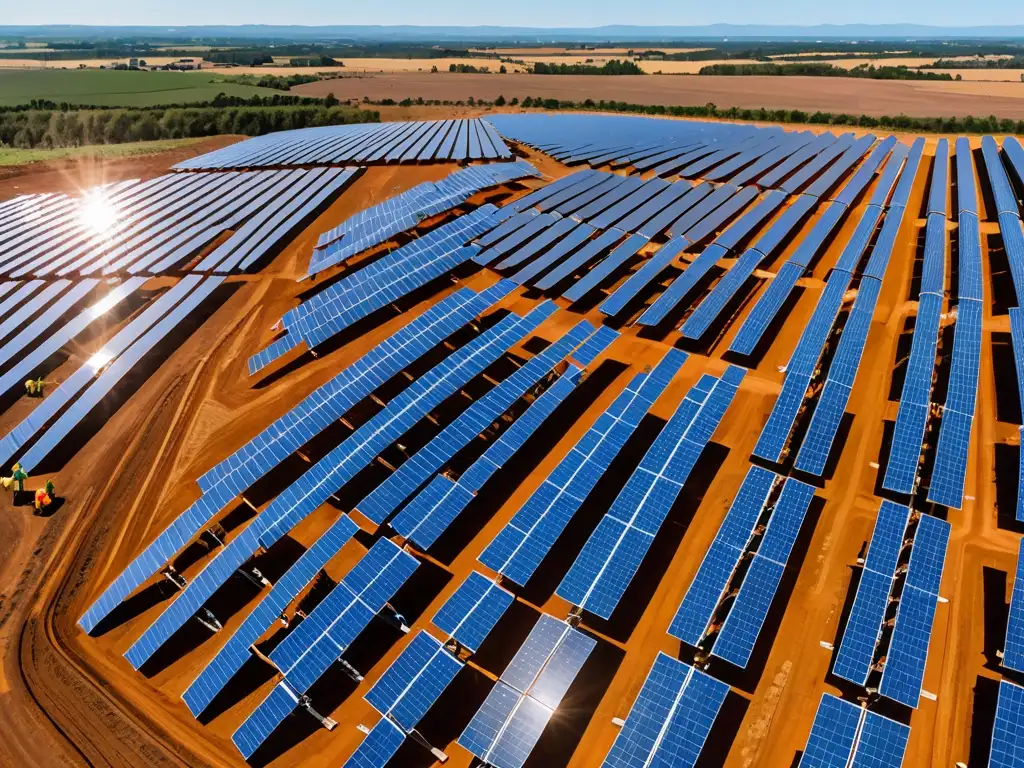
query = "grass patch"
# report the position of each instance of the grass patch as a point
(111, 88)
(9, 157)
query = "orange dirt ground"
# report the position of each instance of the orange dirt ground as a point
(68, 699)
(828, 94)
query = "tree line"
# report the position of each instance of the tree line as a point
(905, 123)
(47, 129)
(1013, 62)
(614, 67)
(868, 71)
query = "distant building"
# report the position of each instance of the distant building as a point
(133, 62)
(187, 64)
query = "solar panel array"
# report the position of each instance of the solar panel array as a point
(163, 224)
(362, 144)
(378, 223)
(515, 713)
(671, 718)
(86, 387)
(615, 550)
(901, 472)
(336, 468)
(804, 364)
(376, 285)
(518, 549)
(1007, 735)
(903, 670)
(323, 636)
(763, 494)
(323, 406)
(950, 470)
(844, 734)
(1013, 648)
(382, 502)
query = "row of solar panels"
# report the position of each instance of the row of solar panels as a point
(378, 223)
(76, 397)
(377, 285)
(362, 144)
(804, 365)
(1007, 747)
(162, 224)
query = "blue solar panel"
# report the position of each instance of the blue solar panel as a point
(864, 627)
(561, 249)
(649, 271)
(288, 433)
(845, 735)
(613, 554)
(556, 232)
(775, 435)
(592, 250)
(519, 547)
(473, 610)
(382, 502)
(716, 569)
(683, 284)
(508, 724)
(414, 681)
(795, 161)
(908, 648)
(337, 468)
(699, 224)
(508, 226)
(671, 718)
(939, 189)
(271, 712)
(742, 626)
(340, 617)
(766, 308)
(601, 271)
(379, 746)
(837, 153)
(1007, 732)
(235, 652)
(1002, 191)
(1013, 649)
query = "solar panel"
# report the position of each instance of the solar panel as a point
(864, 626)
(271, 712)
(601, 271)
(473, 610)
(592, 250)
(787, 167)
(561, 249)
(335, 469)
(837, 153)
(765, 310)
(521, 235)
(320, 639)
(938, 191)
(414, 681)
(716, 569)
(1002, 191)
(613, 554)
(739, 633)
(844, 734)
(908, 649)
(1007, 738)
(379, 504)
(682, 285)
(508, 724)
(519, 547)
(235, 652)
(379, 746)
(556, 232)
(671, 718)
(648, 272)
(288, 433)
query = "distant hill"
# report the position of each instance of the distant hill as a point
(528, 34)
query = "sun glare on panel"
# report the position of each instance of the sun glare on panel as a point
(98, 213)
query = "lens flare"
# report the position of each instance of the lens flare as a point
(98, 213)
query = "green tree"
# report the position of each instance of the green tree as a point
(330, 100)
(500, 101)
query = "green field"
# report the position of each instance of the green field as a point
(109, 88)
(9, 156)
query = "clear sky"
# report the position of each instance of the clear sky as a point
(532, 13)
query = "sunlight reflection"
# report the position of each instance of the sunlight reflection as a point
(97, 213)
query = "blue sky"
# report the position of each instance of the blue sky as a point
(540, 13)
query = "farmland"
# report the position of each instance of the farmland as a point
(109, 88)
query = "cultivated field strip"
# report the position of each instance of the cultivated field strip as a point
(721, 291)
